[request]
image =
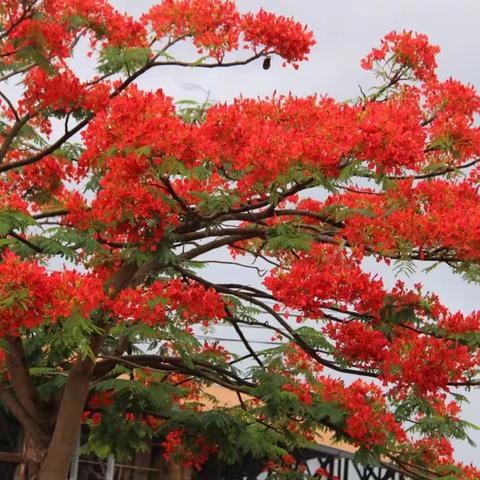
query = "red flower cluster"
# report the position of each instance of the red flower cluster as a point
(269, 138)
(61, 93)
(139, 132)
(30, 295)
(390, 138)
(410, 49)
(454, 108)
(176, 450)
(44, 183)
(216, 27)
(426, 215)
(24, 294)
(427, 364)
(365, 401)
(102, 399)
(270, 33)
(58, 22)
(301, 390)
(311, 284)
(406, 361)
(11, 199)
(77, 294)
(190, 304)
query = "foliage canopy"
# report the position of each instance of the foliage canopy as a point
(114, 199)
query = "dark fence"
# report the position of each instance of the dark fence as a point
(335, 462)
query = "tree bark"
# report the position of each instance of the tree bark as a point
(33, 456)
(22, 382)
(29, 424)
(67, 428)
(178, 472)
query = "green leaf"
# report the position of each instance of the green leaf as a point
(114, 59)
(404, 267)
(287, 236)
(33, 54)
(199, 61)
(165, 55)
(366, 456)
(14, 220)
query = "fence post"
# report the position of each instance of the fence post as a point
(110, 468)
(74, 465)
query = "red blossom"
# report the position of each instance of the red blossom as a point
(175, 450)
(270, 33)
(190, 303)
(409, 49)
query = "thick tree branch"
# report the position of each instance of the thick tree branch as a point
(10, 137)
(26, 420)
(219, 242)
(206, 370)
(176, 63)
(423, 176)
(22, 381)
(10, 106)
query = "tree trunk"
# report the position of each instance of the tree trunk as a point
(34, 455)
(179, 472)
(67, 428)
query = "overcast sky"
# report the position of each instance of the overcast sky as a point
(345, 31)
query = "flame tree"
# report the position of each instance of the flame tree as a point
(111, 197)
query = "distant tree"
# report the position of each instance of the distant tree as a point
(111, 197)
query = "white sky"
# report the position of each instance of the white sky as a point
(346, 30)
